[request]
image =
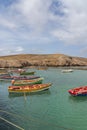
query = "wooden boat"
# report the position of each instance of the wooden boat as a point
(79, 91)
(29, 88)
(4, 74)
(17, 70)
(26, 82)
(18, 77)
(2, 68)
(67, 70)
(27, 73)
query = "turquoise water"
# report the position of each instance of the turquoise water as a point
(53, 109)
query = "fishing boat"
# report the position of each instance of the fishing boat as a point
(17, 70)
(29, 88)
(26, 82)
(9, 78)
(27, 73)
(4, 74)
(79, 91)
(67, 70)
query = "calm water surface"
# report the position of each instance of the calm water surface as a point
(53, 109)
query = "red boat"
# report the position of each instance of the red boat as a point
(79, 91)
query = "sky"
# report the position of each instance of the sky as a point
(43, 27)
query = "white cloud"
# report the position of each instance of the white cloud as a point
(19, 49)
(74, 22)
(34, 17)
(33, 13)
(10, 50)
(7, 23)
(38, 21)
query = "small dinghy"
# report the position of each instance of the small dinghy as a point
(79, 91)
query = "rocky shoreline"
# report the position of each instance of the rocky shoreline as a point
(47, 60)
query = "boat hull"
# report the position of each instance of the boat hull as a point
(27, 73)
(26, 82)
(9, 78)
(67, 71)
(79, 91)
(29, 89)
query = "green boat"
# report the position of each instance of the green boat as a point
(26, 82)
(27, 73)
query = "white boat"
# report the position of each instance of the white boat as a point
(67, 70)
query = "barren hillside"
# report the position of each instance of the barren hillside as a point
(55, 60)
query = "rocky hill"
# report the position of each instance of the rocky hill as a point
(55, 60)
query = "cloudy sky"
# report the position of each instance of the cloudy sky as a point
(43, 27)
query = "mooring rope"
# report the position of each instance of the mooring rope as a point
(11, 123)
(46, 123)
(10, 113)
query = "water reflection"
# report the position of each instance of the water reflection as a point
(5, 119)
(78, 98)
(45, 92)
(5, 126)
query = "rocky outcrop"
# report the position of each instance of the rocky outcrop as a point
(55, 60)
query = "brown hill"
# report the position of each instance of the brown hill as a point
(55, 60)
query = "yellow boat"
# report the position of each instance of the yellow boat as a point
(29, 88)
